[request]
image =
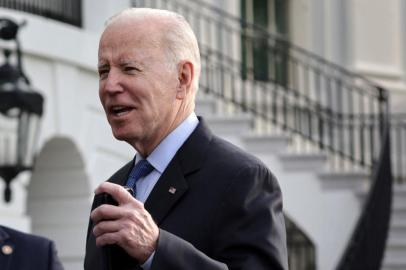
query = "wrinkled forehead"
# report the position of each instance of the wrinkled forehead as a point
(131, 32)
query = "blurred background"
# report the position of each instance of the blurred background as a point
(314, 88)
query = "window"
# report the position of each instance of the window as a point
(264, 58)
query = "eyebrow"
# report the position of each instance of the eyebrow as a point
(128, 62)
(101, 66)
(123, 62)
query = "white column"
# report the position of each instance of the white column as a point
(377, 41)
(318, 26)
(399, 98)
(300, 23)
(336, 31)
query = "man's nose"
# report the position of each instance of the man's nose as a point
(113, 82)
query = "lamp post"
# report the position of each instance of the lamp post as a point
(20, 111)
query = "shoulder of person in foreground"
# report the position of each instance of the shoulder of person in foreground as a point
(31, 249)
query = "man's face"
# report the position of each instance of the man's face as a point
(137, 86)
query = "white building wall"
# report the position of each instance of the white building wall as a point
(300, 26)
(95, 12)
(365, 36)
(377, 40)
(336, 31)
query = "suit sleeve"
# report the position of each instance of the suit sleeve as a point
(248, 230)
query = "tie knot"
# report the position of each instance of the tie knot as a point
(141, 169)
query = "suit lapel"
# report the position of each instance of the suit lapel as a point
(5, 246)
(121, 176)
(167, 191)
(172, 184)
(169, 188)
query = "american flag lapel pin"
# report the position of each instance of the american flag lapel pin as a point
(172, 190)
(7, 249)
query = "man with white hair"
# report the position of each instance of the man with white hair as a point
(198, 201)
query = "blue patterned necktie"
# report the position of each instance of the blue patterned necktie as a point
(141, 169)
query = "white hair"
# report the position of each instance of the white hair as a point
(177, 36)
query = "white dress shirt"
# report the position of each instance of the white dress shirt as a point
(160, 158)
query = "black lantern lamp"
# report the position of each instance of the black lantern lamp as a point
(20, 112)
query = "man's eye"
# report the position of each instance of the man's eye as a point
(103, 73)
(130, 69)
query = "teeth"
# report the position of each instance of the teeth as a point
(121, 113)
(120, 110)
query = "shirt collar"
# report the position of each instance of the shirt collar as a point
(167, 148)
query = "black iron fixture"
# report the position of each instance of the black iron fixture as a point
(20, 110)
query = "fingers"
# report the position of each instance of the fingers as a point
(135, 225)
(107, 239)
(106, 212)
(111, 224)
(121, 196)
(105, 227)
(119, 193)
(128, 225)
(137, 236)
(112, 212)
(110, 234)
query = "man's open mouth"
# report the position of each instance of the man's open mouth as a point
(120, 110)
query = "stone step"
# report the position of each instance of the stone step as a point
(352, 180)
(396, 243)
(399, 195)
(303, 161)
(397, 229)
(398, 213)
(236, 125)
(393, 266)
(394, 260)
(395, 254)
(395, 248)
(259, 144)
(394, 257)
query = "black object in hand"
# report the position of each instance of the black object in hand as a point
(114, 256)
(105, 198)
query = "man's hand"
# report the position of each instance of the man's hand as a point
(128, 225)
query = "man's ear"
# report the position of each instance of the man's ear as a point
(185, 78)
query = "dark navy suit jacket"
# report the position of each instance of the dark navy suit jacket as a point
(22, 251)
(226, 212)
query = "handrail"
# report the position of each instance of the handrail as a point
(67, 11)
(301, 250)
(350, 131)
(366, 247)
(398, 139)
(320, 103)
(236, 23)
